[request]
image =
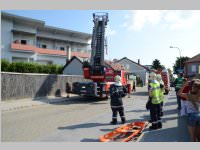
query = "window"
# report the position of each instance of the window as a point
(62, 48)
(44, 46)
(30, 59)
(23, 42)
(19, 59)
(194, 69)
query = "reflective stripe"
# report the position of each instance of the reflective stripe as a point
(156, 88)
(123, 116)
(114, 117)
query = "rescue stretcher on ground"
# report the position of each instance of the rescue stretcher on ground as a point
(124, 133)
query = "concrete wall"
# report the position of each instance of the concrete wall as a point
(23, 85)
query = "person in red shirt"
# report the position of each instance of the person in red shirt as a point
(186, 89)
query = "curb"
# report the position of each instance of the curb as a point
(24, 104)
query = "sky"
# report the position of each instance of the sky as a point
(136, 34)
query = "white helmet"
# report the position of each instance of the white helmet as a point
(117, 78)
(152, 76)
(159, 77)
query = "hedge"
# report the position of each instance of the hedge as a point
(24, 67)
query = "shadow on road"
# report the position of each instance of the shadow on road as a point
(78, 100)
(173, 97)
(89, 140)
(141, 94)
(85, 125)
(170, 112)
(138, 110)
(170, 103)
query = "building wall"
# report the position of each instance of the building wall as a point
(74, 68)
(49, 43)
(192, 68)
(6, 38)
(58, 36)
(136, 69)
(43, 59)
(24, 27)
(28, 31)
(26, 55)
(30, 39)
(16, 86)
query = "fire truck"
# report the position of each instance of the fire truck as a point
(165, 77)
(101, 75)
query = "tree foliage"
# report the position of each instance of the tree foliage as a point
(157, 65)
(179, 63)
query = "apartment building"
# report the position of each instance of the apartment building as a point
(30, 40)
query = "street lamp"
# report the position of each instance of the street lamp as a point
(179, 53)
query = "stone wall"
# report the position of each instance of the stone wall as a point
(26, 85)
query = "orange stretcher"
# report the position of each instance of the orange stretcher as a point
(124, 133)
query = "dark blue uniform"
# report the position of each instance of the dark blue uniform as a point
(116, 94)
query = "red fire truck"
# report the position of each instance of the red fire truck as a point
(165, 77)
(100, 74)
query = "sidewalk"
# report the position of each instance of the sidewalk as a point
(28, 102)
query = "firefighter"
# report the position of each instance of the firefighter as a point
(162, 90)
(154, 94)
(117, 91)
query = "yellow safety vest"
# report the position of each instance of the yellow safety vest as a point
(155, 87)
(162, 93)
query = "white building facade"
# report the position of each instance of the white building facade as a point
(136, 69)
(28, 40)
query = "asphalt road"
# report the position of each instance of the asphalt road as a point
(81, 119)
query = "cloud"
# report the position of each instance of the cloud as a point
(173, 20)
(140, 18)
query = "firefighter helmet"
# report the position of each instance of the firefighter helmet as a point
(117, 78)
(152, 76)
(159, 77)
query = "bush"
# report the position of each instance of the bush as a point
(52, 69)
(4, 65)
(21, 67)
(24, 67)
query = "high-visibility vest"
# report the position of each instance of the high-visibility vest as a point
(162, 92)
(155, 87)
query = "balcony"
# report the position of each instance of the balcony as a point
(34, 49)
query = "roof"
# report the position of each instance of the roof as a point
(114, 66)
(42, 26)
(73, 58)
(146, 68)
(194, 59)
(21, 18)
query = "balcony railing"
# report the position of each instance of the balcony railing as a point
(32, 48)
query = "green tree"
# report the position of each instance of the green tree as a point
(157, 65)
(179, 63)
